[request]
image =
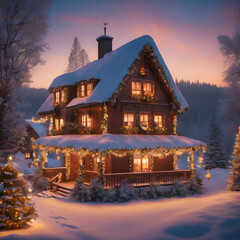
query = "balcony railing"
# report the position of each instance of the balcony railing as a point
(140, 178)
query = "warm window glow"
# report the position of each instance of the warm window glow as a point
(56, 123)
(140, 164)
(27, 155)
(61, 123)
(89, 89)
(136, 88)
(142, 71)
(128, 120)
(158, 121)
(144, 120)
(57, 97)
(86, 121)
(63, 96)
(147, 88)
(82, 93)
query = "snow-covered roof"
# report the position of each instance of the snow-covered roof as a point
(111, 70)
(39, 127)
(47, 105)
(118, 141)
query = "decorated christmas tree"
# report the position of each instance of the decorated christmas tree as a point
(234, 176)
(214, 156)
(16, 207)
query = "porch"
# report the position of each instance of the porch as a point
(138, 179)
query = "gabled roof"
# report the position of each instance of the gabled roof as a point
(47, 106)
(111, 70)
(38, 126)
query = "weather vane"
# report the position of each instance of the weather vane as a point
(105, 28)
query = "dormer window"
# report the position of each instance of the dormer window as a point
(89, 89)
(63, 96)
(86, 121)
(82, 91)
(57, 97)
(142, 71)
(136, 88)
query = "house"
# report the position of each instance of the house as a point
(117, 117)
(35, 129)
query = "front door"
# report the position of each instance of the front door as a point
(74, 166)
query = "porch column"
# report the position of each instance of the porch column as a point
(175, 161)
(191, 161)
(67, 165)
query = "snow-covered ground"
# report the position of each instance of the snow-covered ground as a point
(212, 215)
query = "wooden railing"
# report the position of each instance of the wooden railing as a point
(140, 178)
(88, 176)
(56, 179)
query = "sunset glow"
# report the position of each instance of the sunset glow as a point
(185, 32)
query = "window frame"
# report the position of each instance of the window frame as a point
(57, 96)
(134, 89)
(126, 114)
(148, 92)
(82, 90)
(89, 90)
(155, 122)
(140, 121)
(86, 120)
(140, 164)
(63, 95)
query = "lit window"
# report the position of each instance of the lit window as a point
(86, 121)
(128, 120)
(142, 71)
(136, 88)
(144, 120)
(140, 164)
(82, 93)
(158, 121)
(57, 97)
(63, 95)
(27, 155)
(89, 89)
(61, 123)
(147, 89)
(56, 123)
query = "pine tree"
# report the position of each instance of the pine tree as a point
(234, 176)
(16, 207)
(214, 156)
(78, 57)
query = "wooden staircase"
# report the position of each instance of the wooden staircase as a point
(58, 191)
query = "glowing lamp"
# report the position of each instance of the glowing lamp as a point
(10, 158)
(208, 175)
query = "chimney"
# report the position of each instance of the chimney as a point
(104, 45)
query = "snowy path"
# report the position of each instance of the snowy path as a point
(212, 215)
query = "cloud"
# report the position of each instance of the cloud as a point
(76, 19)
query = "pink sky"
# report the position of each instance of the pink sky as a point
(186, 34)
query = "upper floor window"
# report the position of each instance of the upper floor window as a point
(128, 120)
(136, 88)
(158, 121)
(144, 120)
(86, 121)
(89, 89)
(57, 97)
(63, 96)
(147, 88)
(142, 71)
(140, 164)
(82, 91)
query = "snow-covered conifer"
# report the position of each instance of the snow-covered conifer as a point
(234, 176)
(16, 207)
(78, 57)
(214, 156)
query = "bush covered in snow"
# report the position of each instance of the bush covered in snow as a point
(40, 183)
(125, 192)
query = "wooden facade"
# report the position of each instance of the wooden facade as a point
(143, 103)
